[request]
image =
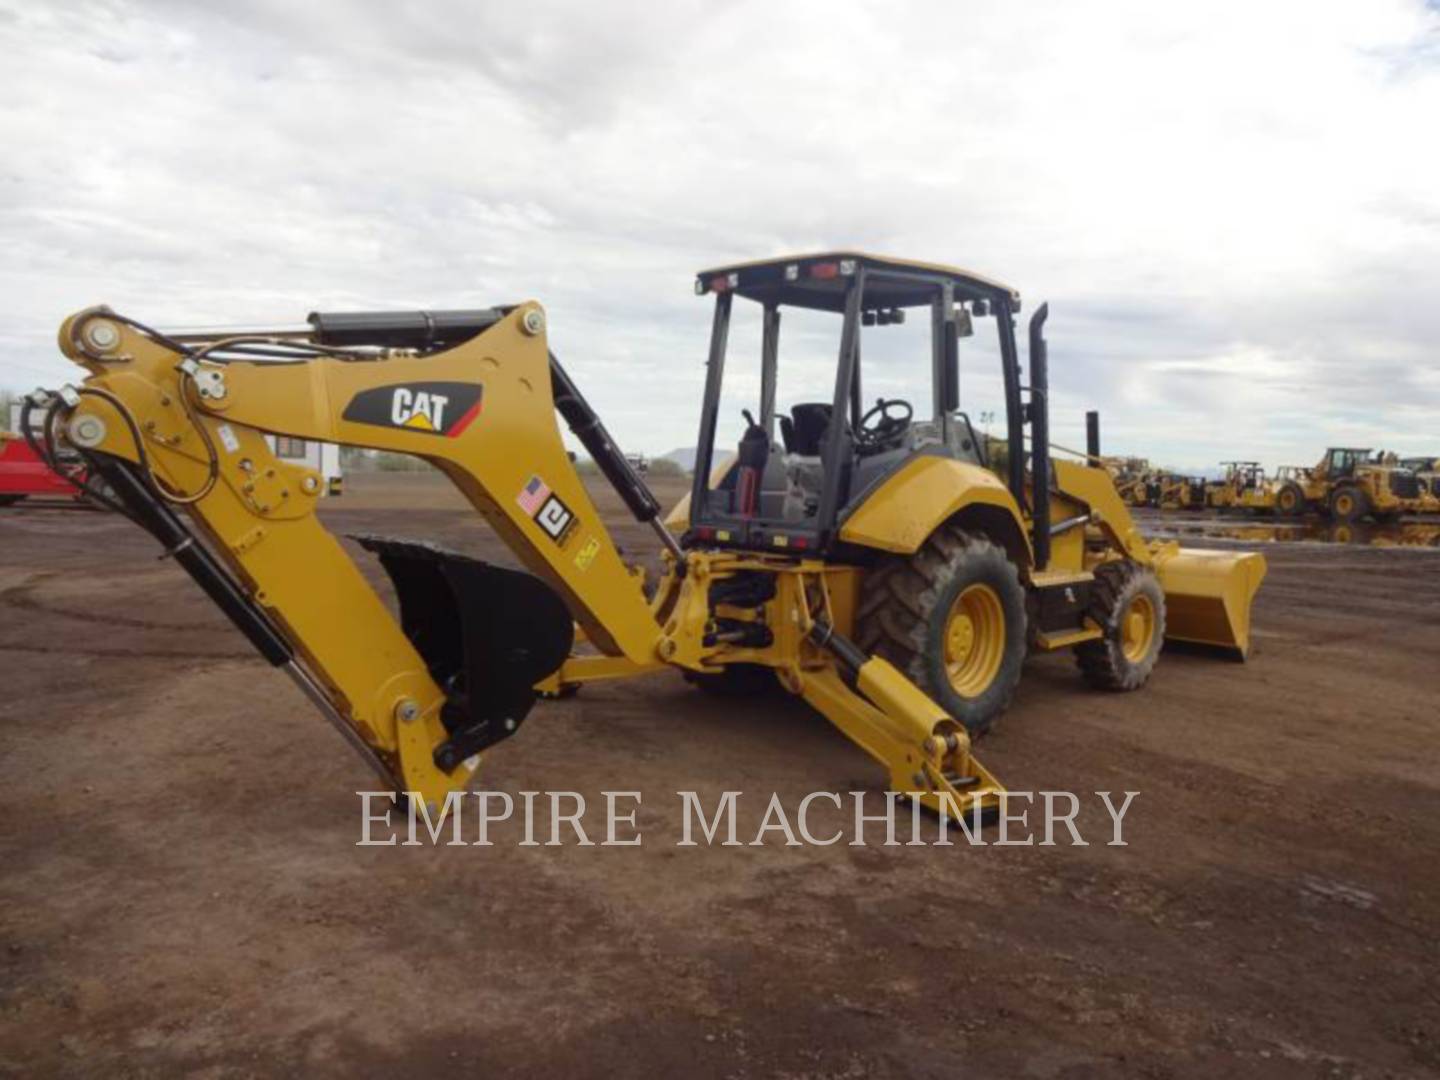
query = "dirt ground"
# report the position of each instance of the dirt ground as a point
(181, 890)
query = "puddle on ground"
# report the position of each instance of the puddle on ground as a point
(1404, 534)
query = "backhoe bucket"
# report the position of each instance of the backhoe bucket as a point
(487, 634)
(1208, 595)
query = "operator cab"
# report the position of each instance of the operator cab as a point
(798, 469)
(1248, 475)
(1344, 460)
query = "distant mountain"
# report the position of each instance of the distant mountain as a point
(683, 456)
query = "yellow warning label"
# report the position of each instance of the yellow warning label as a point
(586, 555)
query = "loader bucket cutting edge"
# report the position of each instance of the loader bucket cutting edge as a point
(1208, 596)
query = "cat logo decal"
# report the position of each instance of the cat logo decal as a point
(435, 408)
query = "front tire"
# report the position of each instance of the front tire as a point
(1349, 504)
(952, 619)
(1290, 501)
(1127, 603)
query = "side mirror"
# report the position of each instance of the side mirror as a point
(964, 325)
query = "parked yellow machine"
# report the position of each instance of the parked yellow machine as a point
(863, 558)
(1134, 480)
(1352, 484)
(1290, 484)
(1245, 487)
(1427, 476)
(1140, 484)
(1177, 492)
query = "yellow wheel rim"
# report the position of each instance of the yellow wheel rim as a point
(1344, 504)
(974, 640)
(1137, 628)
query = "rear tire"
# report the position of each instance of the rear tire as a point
(10, 500)
(952, 619)
(1127, 603)
(1349, 504)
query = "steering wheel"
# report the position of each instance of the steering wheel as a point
(878, 426)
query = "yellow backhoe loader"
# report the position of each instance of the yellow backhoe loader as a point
(1134, 480)
(1292, 490)
(1245, 487)
(1174, 491)
(1141, 485)
(866, 560)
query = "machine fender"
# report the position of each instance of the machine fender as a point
(900, 514)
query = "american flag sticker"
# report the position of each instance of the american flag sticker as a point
(532, 496)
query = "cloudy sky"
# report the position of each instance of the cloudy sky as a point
(1233, 208)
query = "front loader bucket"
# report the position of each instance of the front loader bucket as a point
(1208, 595)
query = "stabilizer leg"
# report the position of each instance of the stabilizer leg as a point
(891, 719)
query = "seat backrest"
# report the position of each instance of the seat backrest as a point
(808, 428)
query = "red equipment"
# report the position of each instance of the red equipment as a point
(23, 474)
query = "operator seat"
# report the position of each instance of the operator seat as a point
(803, 431)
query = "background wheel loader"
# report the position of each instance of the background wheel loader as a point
(862, 556)
(1351, 484)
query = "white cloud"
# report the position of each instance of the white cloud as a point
(1232, 207)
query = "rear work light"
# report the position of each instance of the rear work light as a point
(719, 283)
(827, 271)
